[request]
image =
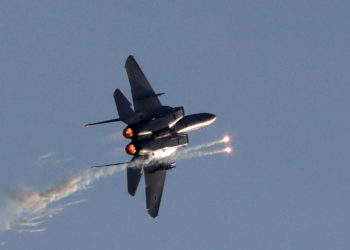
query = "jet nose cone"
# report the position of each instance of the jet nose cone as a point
(194, 122)
(210, 117)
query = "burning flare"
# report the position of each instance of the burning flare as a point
(227, 150)
(226, 138)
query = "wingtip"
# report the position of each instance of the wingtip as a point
(131, 191)
(130, 61)
(154, 216)
(117, 92)
(132, 194)
(130, 58)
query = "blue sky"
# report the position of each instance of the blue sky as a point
(276, 74)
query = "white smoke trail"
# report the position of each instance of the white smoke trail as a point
(33, 206)
(34, 230)
(201, 146)
(225, 139)
(46, 156)
(189, 155)
(192, 152)
(24, 213)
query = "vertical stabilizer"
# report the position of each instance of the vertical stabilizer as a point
(134, 176)
(123, 105)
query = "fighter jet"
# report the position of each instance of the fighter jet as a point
(156, 131)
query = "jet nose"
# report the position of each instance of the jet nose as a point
(210, 117)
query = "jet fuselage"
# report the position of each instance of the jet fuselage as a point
(161, 136)
(156, 131)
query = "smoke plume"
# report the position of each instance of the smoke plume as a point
(27, 211)
(191, 152)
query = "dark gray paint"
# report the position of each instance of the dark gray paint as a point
(155, 127)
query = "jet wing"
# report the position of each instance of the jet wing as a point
(154, 189)
(144, 97)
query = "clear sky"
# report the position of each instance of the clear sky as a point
(276, 74)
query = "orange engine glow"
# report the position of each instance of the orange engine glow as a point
(128, 132)
(130, 149)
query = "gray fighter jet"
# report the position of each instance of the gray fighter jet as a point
(155, 131)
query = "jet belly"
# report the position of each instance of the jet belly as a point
(194, 122)
(172, 140)
(164, 152)
(158, 147)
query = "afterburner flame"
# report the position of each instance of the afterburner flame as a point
(128, 132)
(130, 149)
